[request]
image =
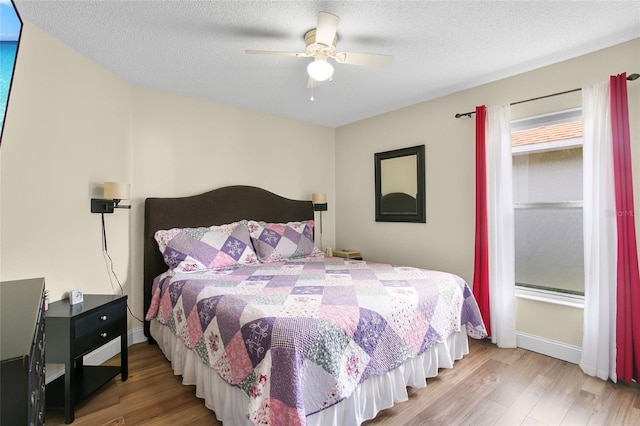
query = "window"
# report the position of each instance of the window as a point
(547, 194)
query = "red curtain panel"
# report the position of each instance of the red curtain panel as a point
(628, 285)
(481, 264)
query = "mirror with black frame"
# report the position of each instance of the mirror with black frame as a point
(400, 185)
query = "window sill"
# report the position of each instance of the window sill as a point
(570, 300)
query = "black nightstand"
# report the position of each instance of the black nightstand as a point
(72, 332)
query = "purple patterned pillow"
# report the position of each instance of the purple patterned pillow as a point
(275, 242)
(199, 249)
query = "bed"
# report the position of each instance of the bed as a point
(285, 335)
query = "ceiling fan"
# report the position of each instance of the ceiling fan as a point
(321, 45)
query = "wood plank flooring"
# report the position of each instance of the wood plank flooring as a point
(490, 386)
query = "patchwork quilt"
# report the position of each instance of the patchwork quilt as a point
(298, 336)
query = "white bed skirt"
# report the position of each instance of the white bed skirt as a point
(374, 395)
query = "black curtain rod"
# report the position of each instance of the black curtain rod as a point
(470, 113)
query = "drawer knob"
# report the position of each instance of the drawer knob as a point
(103, 318)
(103, 335)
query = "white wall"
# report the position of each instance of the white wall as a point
(66, 131)
(184, 146)
(446, 241)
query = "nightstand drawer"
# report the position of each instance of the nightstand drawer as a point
(97, 337)
(99, 319)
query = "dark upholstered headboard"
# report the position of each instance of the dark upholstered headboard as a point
(397, 202)
(217, 207)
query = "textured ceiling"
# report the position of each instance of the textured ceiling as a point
(196, 48)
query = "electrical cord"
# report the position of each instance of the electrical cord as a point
(110, 269)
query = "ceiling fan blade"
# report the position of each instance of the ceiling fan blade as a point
(326, 29)
(364, 59)
(276, 53)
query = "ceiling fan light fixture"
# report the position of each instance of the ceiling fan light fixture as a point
(320, 69)
(320, 45)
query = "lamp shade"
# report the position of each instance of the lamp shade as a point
(319, 198)
(320, 69)
(116, 191)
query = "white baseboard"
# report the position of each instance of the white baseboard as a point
(549, 347)
(100, 355)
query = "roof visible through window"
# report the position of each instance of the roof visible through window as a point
(554, 132)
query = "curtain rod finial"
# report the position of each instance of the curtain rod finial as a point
(632, 77)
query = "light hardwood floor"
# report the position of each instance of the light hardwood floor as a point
(489, 386)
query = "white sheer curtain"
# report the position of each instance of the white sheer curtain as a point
(600, 237)
(501, 226)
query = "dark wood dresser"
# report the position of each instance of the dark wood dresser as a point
(22, 340)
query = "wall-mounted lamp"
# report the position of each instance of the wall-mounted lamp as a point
(319, 202)
(114, 192)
